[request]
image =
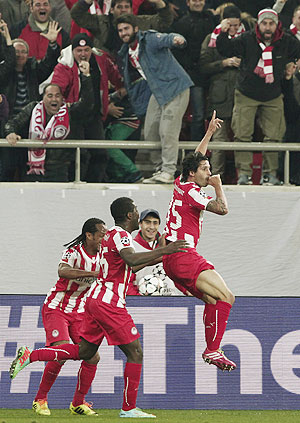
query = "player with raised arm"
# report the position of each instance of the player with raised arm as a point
(192, 271)
(63, 309)
(105, 310)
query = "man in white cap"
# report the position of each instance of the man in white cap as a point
(264, 52)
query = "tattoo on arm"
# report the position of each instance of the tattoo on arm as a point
(217, 206)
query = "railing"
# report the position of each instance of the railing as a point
(149, 145)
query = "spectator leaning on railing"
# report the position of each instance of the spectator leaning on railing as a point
(20, 84)
(51, 119)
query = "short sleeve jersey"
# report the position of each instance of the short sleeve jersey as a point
(114, 274)
(185, 214)
(68, 294)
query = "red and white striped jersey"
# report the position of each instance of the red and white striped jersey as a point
(185, 214)
(67, 294)
(114, 276)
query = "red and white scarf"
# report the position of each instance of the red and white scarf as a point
(57, 128)
(133, 53)
(216, 32)
(295, 31)
(264, 67)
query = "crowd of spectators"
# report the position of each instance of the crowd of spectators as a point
(147, 70)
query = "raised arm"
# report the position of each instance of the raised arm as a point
(161, 21)
(214, 124)
(219, 204)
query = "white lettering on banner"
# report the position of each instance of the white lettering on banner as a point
(155, 321)
(250, 351)
(26, 334)
(283, 361)
(109, 368)
(250, 359)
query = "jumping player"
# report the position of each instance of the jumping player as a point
(62, 313)
(192, 271)
(105, 310)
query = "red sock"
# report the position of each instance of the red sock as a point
(132, 375)
(85, 378)
(50, 374)
(215, 318)
(56, 353)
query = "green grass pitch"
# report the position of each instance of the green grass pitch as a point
(163, 416)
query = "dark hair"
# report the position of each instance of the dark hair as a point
(120, 208)
(128, 19)
(231, 12)
(89, 226)
(191, 163)
(51, 85)
(114, 2)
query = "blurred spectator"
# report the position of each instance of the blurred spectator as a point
(292, 116)
(50, 119)
(4, 110)
(96, 8)
(223, 73)
(249, 6)
(14, 11)
(8, 56)
(104, 29)
(61, 14)
(194, 27)
(294, 28)
(122, 124)
(67, 76)
(286, 9)
(259, 88)
(37, 32)
(147, 54)
(148, 239)
(21, 86)
(4, 107)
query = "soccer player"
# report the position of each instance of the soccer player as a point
(192, 271)
(62, 313)
(105, 310)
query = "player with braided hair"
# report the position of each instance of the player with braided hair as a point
(63, 309)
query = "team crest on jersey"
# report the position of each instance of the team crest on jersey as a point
(55, 333)
(125, 240)
(134, 330)
(67, 255)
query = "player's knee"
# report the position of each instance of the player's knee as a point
(135, 355)
(87, 352)
(95, 359)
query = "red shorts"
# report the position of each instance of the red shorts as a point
(184, 269)
(60, 326)
(103, 320)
